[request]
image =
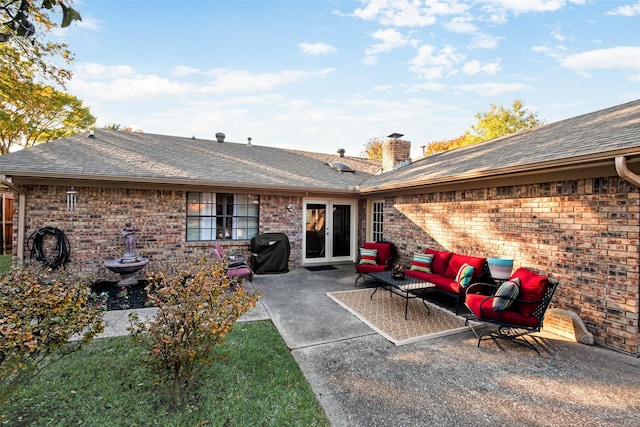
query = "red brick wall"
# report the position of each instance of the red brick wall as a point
(275, 217)
(394, 151)
(584, 233)
(94, 229)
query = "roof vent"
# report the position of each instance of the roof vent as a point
(220, 137)
(341, 167)
(341, 152)
(91, 134)
(249, 142)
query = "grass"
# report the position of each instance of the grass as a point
(254, 381)
(5, 263)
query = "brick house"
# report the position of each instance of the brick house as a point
(562, 199)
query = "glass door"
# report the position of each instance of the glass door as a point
(329, 231)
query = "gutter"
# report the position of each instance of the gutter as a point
(22, 209)
(624, 172)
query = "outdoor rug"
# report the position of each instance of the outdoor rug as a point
(385, 315)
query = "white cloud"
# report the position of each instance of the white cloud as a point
(316, 48)
(431, 64)
(474, 67)
(389, 39)
(620, 57)
(382, 88)
(184, 70)
(492, 89)
(240, 81)
(485, 41)
(498, 10)
(101, 71)
(626, 10)
(460, 25)
(406, 13)
(430, 86)
(129, 89)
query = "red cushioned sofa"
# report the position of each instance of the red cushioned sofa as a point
(444, 269)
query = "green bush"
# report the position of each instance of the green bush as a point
(40, 311)
(198, 304)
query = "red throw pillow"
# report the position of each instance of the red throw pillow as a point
(458, 261)
(532, 288)
(440, 261)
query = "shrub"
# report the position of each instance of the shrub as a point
(40, 311)
(198, 304)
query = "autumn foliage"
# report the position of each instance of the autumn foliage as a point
(40, 311)
(198, 304)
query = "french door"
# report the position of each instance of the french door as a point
(330, 227)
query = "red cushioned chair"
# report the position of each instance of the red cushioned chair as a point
(237, 268)
(524, 313)
(384, 259)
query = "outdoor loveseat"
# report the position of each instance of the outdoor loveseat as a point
(374, 257)
(451, 273)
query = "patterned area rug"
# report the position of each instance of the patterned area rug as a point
(385, 315)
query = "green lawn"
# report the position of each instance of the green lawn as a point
(5, 263)
(253, 382)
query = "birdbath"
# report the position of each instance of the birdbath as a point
(129, 264)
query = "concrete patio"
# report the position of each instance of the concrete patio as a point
(361, 379)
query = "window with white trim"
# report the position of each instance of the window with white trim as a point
(377, 221)
(222, 216)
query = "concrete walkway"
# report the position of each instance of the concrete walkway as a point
(361, 379)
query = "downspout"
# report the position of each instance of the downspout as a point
(22, 208)
(625, 173)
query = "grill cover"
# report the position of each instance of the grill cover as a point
(270, 253)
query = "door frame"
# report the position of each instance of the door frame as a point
(330, 202)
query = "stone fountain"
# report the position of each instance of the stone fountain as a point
(129, 264)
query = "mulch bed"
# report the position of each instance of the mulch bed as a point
(122, 298)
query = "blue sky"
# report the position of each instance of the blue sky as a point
(319, 75)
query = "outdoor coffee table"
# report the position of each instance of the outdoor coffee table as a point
(408, 288)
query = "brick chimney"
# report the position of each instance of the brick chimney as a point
(395, 153)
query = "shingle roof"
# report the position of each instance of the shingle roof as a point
(599, 135)
(127, 156)
(140, 157)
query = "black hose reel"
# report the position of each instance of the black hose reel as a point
(43, 248)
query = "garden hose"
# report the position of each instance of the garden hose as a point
(60, 252)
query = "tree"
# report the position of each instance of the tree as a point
(497, 122)
(373, 149)
(500, 121)
(118, 127)
(18, 17)
(32, 113)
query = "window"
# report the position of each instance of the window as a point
(377, 220)
(222, 216)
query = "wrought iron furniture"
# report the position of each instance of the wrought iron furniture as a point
(237, 266)
(408, 288)
(524, 313)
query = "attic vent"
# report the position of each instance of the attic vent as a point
(220, 137)
(341, 167)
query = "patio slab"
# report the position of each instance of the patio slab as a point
(361, 379)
